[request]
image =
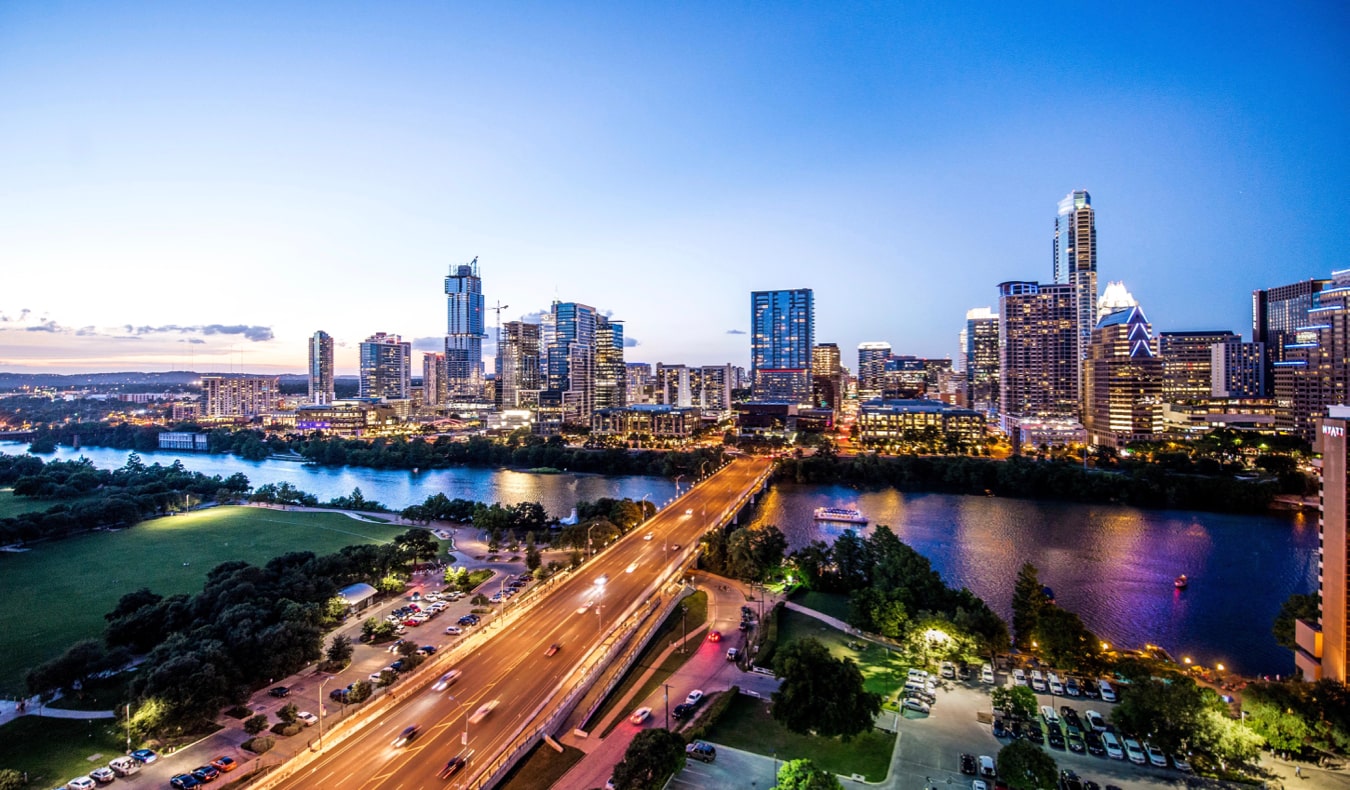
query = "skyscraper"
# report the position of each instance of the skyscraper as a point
(321, 368)
(386, 367)
(1122, 379)
(464, 331)
(239, 396)
(979, 351)
(872, 357)
(1313, 369)
(782, 333)
(1188, 363)
(1237, 369)
(571, 359)
(1075, 263)
(611, 377)
(518, 382)
(1276, 315)
(1323, 647)
(434, 385)
(1038, 351)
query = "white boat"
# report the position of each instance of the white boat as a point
(840, 514)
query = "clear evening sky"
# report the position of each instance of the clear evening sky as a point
(203, 185)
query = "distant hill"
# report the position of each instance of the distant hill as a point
(138, 380)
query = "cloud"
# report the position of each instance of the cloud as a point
(255, 334)
(428, 344)
(45, 326)
(193, 340)
(630, 342)
(735, 331)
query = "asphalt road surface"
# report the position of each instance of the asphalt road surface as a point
(512, 669)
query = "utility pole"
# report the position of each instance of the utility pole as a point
(684, 610)
(666, 686)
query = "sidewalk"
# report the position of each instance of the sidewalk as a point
(33, 707)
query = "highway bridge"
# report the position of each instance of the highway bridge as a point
(513, 688)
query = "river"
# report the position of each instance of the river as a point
(1112, 565)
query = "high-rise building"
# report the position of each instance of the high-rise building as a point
(571, 360)
(386, 367)
(1313, 371)
(1188, 363)
(1075, 263)
(639, 382)
(825, 360)
(321, 368)
(517, 379)
(1237, 369)
(464, 332)
(872, 357)
(673, 386)
(435, 390)
(1276, 315)
(239, 396)
(1323, 647)
(1038, 352)
(1122, 380)
(827, 376)
(979, 351)
(611, 377)
(714, 388)
(782, 334)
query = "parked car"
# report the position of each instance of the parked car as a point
(917, 705)
(469, 619)
(699, 750)
(184, 782)
(205, 774)
(1034, 733)
(1071, 687)
(1108, 693)
(1076, 742)
(999, 730)
(968, 764)
(145, 756)
(948, 670)
(1135, 752)
(308, 718)
(1181, 764)
(1155, 755)
(453, 630)
(682, 711)
(640, 715)
(1095, 721)
(81, 783)
(124, 766)
(694, 698)
(1019, 677)
(102, 775)
(1113, 747)
(987, 766)
(279, 692)
(224, 764)
(427, 649)
(1095, 747)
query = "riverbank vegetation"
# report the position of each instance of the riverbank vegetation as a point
(1141, 484)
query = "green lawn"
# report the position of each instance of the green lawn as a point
(671, 630)
(11, 505)
(884, 670)
(54, 751)
(747, 725)
(57, 593)
(543, 767)
(833, 604)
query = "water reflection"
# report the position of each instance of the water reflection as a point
(1112, 565)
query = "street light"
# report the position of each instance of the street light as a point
(589, 546)
(684, 610)
(322, 708)
(464, 741)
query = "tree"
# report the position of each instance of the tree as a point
(1028, 602)
(1296, 607)
(289, 713)
(1017, 700)
(532, 558)
(1026, 766)
(1167, 714)
(805, 775)
(820, 693)
(11, 779)
(360, 691)
(255, 724)
(652, 756)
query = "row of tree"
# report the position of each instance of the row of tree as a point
(1142, 485)
(90, 498)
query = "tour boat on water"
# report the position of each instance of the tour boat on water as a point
(840, 514)
(1181, 582)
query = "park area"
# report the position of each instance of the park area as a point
(57, 592)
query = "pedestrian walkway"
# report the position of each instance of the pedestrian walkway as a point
(13, 709)
(821, 616)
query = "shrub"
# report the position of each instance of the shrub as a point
(286, 730)
(770, 637)
(256, 724)
(704, 721)
(260, 744)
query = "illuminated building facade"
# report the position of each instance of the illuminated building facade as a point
(1323, 648)
(321, 368)
(517, 379)
(230, 397)
(650, 419)
(464, 332)
(386, 367)
(1075, 263)
(1314, 370)
(883, 421)
(1122, 381)
(611, 376)
(435, 390)
(872, 357)
(1038, 353)
(979, 351)
(1238, 369)
(571, 359)
(782, 334)
(1188, 363)
(1277, 313)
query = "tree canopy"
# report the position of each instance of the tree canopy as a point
(1026, 766)
(821, 693)
(652, 757)
(805, 775)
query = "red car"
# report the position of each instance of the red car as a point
(552, 649)
(412, 623)
(453, 767)
(714, 636)
(224, 764)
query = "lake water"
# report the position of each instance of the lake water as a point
(1112, 565)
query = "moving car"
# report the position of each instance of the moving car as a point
(406, 736)
(689, 511)
(733, 653)
(714, 636)
(682, 711)
(224, 764)
(308, 718)
(279, 692)
(553, 649)
(640, 715)
(694, 698)
(145, 756)
(648, 536)
(483, 711)
(448, 679)
(701, 751)
(453, 766)
(453, 629)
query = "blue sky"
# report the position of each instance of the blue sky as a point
(204, 185)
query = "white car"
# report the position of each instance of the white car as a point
(81, 783)
(987, 674)
(124, 766)
(1038, 681)
(978, 784)
(1108, 693)
(1019, 677)
(1112, 744)
(1135, 752)
(1181, 764)
(102, 775)
(1095, 721)
(640, 715)
(483, 711)
(1155, 755)
(308, 718)
(1048, 713)
(694, 697)
(446, 680)
(913, 704)
(453, 629)
(649, 536)
(987, 766)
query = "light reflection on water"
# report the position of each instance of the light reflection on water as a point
(1112, 565)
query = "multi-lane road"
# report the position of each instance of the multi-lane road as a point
(512, 669)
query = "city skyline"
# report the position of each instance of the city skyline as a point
(206, 188)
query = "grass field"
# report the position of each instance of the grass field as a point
(747, 725)
(54, 751)
(57, 593)
(543, 767)
(884, 670)
(833, 604)
(11, 505)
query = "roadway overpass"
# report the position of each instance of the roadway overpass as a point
(589, 615)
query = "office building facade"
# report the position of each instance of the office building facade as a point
(464, 332)
(1313, 371)
(782, 335)
(1276, 315)
(1188, 363)
(979, 356)
(872, 357)
(517, 373)
(385, 367)
(1238, 369)
(1323, 647)
(231, 397)
(321, 374)
(1038, 353)
(1075, 262)
(611, 376)
(1123, 379)
(435, 390)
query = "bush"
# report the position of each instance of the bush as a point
(286, 730)
(256, 724)
(11, 779)
(704, 722)
(260, 744)
(770, 636)
(238, 712)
